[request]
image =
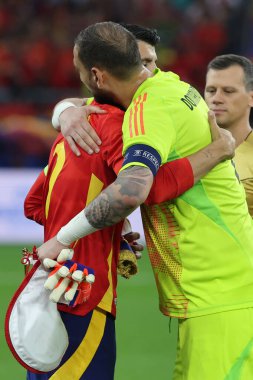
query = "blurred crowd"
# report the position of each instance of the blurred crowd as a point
(36, 42)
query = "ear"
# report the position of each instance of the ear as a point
(98, 77)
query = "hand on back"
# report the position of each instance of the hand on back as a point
(77, 130)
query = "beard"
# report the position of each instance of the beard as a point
(106, 97)
(102, 96)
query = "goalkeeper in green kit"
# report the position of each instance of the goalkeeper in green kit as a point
(200, 245)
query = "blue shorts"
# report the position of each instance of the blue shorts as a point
(91, 353)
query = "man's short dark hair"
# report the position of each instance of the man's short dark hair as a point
(222, 62)
(108, 45)
(142, 33)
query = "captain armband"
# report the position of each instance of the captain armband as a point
(144, 154)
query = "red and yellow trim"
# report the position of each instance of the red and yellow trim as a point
(136, 119)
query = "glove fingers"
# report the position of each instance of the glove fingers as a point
(49, 263)
(63, 271)
(68, 280)
(90, 278)
(65, 254)
(69, 295)
(51, 282)
(78, 275)
(59, 290)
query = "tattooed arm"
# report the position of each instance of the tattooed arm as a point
(120, 199)
(116, 202)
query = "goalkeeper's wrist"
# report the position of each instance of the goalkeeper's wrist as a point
(76, 228)
(59, 108)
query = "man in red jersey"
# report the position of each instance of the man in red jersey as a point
(61, 190)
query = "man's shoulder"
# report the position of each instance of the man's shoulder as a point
(108, 125)
(59, 138)
(159, 87)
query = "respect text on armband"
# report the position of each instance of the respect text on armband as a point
(191, 98)
(144, 154)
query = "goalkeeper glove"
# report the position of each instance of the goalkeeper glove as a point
(69, 281)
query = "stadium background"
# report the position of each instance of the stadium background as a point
(36, 40)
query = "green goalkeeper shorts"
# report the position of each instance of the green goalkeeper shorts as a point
(216, 347)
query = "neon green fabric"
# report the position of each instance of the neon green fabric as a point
(89, 100)
(154, 116)
(216, 347)
(244, 166)
(200, 245)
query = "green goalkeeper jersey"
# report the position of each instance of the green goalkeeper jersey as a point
(201, 244)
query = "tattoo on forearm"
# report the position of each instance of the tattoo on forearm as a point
(121, 198)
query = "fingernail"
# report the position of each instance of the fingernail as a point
(97, 150)
(90, 151)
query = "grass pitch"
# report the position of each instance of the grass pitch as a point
(145, 346)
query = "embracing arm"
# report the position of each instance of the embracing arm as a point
(222, 148)
(116, 202)
(121, 198)
(176, 177)
(70, 116)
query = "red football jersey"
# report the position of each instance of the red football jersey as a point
(71, 183)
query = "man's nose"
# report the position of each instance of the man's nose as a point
(218, 97)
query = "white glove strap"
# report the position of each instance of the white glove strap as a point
(59, 108)
(76, 228)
